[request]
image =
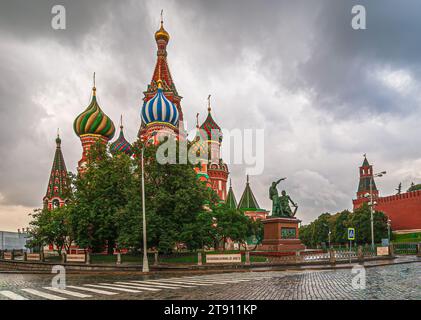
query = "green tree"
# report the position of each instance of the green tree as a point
(317, 231)
(339, 227)
(230, 224)
(101, 192)
(174, 200)
(360, 219)
(52, 227)
(255, 231)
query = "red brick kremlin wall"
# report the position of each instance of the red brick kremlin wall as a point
(404, 210)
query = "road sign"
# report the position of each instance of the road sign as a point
(351, 234)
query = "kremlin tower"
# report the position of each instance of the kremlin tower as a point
(402, 209)
(58, 190)
(366, 175)
(91, 126)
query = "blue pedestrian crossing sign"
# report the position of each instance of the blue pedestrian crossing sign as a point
(351, 234)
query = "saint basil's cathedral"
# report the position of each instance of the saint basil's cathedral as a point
(161, 115)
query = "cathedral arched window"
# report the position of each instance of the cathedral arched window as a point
(56, 204)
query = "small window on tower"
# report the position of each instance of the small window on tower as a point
(56, 204)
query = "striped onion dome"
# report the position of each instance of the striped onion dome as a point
(159, 109)
(94, 121)
(121, 144)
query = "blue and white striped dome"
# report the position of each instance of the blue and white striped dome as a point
(159, 109)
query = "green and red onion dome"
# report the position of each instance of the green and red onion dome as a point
(94, 121)
(210, 129)
(121, 145)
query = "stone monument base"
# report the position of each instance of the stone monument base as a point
(281, 234)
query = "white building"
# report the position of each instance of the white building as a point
(13, 240)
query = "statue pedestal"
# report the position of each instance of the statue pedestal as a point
(281, 234)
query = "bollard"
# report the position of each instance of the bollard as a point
(391, 251)
(13, 255)
(360, 254)
(155, 258)
(199, 258)
(332, 257)
(88, 257)
(419, 250)
(298, 257)
(118, 257)
(248, 258)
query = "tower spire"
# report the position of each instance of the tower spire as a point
(209, 104)
(248, 201)
(231, 201)
(94, 87)
(58, 189)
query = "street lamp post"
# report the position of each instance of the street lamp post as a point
(388, 228)
(329, 237)
(145, 246)
(377, 175)
(329, 232)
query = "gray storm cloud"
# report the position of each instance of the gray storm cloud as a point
(323, 92)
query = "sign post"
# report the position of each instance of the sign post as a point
(351, 236)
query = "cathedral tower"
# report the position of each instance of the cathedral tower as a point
(217, 169)
(91, 126)
(58, 190)
(121, 145)
(231, 201)
(161, 112)
(248, 204)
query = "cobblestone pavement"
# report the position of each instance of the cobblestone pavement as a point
(388, 282)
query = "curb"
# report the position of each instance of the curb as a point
(209, 269)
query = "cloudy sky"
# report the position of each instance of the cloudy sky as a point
(324, 93)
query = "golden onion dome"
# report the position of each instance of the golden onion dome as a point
(162, 34)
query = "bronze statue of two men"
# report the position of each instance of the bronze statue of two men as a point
(280, 204)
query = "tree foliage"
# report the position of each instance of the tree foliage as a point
(52, 227)
(317, 231)
(106, 207)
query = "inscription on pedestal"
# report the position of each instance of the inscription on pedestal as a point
(288, 233)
